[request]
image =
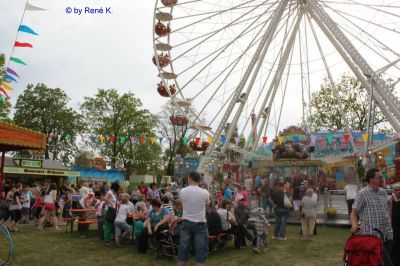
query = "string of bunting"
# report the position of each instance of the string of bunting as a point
(11, 75)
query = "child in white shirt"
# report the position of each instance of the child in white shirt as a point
(120, 221)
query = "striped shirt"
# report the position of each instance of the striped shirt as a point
(372, 207)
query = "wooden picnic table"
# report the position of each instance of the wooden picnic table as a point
(75, 217)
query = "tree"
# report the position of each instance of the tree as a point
(355, 100)
(46, 110)
(120, 117)
(5, 104)
(173, 134)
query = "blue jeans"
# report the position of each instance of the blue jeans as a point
(196, 233)
(281, 215)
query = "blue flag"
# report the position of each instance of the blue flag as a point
(9, 77)
(26, 29)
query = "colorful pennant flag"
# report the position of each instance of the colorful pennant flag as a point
(17, 60)
(122, 140)
(101, 138)
(4, 92)
(160, 139)
(23, 44)
(172, 140)
(12, 72)
(346, 137)
(197, 140)
(111, 139)
(329, 138)
(2, 99)
(26, 29)
(185, 140)
(237, 140)
(223, 139)
(280, 139)
(264, 139)
(82, 138)
(91, 138)
(30, 7)
(6, 86)
(142, 139)
(251, 139)
(365, 137)
(153, 140)
(133, 139)
(210, 139)
(10, 78)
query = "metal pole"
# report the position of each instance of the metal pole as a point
(2, 172)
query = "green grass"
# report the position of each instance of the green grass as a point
(60, 248)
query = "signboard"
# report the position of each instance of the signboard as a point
(31, 163)
(36, 171)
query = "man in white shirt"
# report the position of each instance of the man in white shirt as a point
(84, 190)
(194, 224)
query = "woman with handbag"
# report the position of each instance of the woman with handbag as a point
(110, 212)
(308, 214)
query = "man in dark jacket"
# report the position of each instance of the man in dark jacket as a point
(281, 212)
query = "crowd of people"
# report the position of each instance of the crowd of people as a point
(196, 212)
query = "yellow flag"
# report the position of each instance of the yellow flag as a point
(209, 139)
(153, 140)
(8, 87)
(365, 137)
(101, 138)
(280, 139)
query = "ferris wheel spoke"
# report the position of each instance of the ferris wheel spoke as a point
(383, 45)
(351, 3)
(278, 76)
(380, 96)
(219, 52)
(332, 83)
(363, 20)
(218, 13)
(204, 37)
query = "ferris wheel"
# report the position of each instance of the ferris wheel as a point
(249, 67)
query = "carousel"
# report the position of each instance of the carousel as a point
(291, 160)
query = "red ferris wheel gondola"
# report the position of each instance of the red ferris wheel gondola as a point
(163, 60)
(178, 120)
(162, 89)
(162, 30)
(169, 3)
(199, 146)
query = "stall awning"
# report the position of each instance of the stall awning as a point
(13, 138)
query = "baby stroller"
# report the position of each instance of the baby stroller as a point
(217, 242)
(363, 250)
(167, 242)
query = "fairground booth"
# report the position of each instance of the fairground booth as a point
(15, 138)
(23, 170)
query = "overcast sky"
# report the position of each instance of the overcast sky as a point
(82, 53)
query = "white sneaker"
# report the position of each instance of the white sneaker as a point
(282, 238)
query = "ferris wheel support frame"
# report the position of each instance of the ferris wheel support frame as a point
(356, 71)
(268, 35)
(257, 59)
(386, 101)
(269, 98)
